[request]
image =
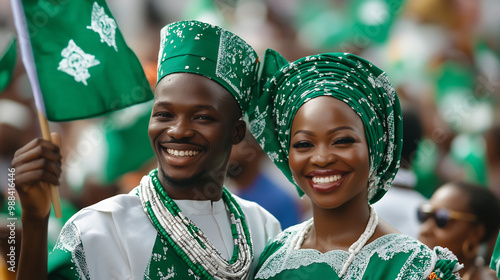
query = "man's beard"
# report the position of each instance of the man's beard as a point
(182, 183)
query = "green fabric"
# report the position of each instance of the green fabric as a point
(84, 66)
(495, 258)
(339, 25)
(424, 166)
(205, 10)
(159, 268)
(55, 224)
(469, 152)
(208, 50)
(347, 77)
(8, 63)
(164, 263)
(465, 105)
(129, 147)
(393, 256)
(61, 266)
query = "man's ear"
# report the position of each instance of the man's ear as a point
(239, 131)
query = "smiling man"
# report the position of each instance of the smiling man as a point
(180, 222)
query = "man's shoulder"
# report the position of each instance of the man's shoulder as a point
(256, 214)
(121, 206)
(120, 202)
(247, 205)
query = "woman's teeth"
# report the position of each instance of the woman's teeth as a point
(326, 179)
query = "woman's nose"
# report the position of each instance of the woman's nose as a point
(323, 157)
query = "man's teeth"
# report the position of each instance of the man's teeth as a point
(182, 153)
(326, 180)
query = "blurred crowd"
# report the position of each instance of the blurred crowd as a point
(443, 57)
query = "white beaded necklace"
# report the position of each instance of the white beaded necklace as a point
(195, 246)
(354, 248)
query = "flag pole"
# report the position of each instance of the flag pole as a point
(29, 65)
(54, 190)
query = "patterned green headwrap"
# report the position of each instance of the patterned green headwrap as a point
(208, 50)
(347, 77)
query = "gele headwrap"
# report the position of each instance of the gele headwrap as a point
(208, 50)
(347, 77)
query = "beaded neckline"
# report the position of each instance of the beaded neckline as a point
(189, 242)
(354, 249)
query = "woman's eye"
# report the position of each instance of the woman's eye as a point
(344, 140)
(302, 144)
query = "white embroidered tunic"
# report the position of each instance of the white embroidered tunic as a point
(114, 239)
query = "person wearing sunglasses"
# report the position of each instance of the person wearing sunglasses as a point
(463, 217)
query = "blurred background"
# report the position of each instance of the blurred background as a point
(443, 57)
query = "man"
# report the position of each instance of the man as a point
(179, 223)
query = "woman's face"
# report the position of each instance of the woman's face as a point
(455, 231)
(328, 153)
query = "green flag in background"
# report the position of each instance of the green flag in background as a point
(8, 63)
(83, 64)
(127, 140)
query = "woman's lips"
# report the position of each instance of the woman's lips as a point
(326, 180)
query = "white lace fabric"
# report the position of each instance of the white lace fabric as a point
(420, 260)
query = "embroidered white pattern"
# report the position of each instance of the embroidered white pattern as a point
(232, 50)
(76, 62)
(69, 241)
(258, 124)
(385, 248)
(104, 25)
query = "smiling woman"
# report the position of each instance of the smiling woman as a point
(325, 130)
(332, 123)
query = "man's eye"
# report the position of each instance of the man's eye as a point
(204, 117)
(162, 115)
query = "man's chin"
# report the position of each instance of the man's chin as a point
(184, 182)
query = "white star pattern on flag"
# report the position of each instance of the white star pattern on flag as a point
(76, 62)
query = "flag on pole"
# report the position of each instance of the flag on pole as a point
(127, 129)
(8, 63)
(76, 58)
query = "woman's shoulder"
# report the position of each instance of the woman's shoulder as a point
(394, 243)
(292, 232)
(418, 258)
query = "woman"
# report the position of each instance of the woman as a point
(343, 153)
(465, 219)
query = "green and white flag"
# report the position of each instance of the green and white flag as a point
(7, 63)
(76, 58)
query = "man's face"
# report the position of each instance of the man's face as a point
(192, 129)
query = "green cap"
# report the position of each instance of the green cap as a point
(208, 50)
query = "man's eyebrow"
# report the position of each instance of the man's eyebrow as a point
(208, 107)
(162, 104)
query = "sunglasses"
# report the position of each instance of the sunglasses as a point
(442, 215)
